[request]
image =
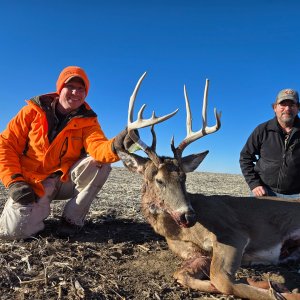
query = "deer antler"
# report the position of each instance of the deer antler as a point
(141, 123)
(193, 136)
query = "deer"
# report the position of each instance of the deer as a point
(214, 235)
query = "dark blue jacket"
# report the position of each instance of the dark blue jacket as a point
(266, 159)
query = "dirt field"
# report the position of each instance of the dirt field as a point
(117, 255)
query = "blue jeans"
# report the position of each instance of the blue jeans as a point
(274, 194)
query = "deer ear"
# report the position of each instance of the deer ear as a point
(133, 162)
(191, 162)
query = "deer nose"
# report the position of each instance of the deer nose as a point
(191, 217)
(188, 219)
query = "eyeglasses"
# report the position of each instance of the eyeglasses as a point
(284, 104)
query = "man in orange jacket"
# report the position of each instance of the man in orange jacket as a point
(54, 148)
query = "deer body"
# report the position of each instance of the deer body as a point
(217, 234)
(216, 218)
(228, 231)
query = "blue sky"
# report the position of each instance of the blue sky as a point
(249, 50)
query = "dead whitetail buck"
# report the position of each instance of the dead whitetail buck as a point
(215, 235)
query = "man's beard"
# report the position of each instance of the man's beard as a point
(288, 120)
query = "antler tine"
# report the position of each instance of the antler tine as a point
(217, 126)
(204, 105)
(188, 113)
(193, 136)
(141, 123)
(132, 98)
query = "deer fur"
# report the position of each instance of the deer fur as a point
(217, 234)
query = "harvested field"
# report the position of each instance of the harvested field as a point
(117, 255)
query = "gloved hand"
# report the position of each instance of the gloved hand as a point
(128, 142)
(123, 141)
(118, 141)
(21, 192)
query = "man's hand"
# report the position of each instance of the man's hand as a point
(118, 141)
(123, 141)
(259, 191)
(21, 192)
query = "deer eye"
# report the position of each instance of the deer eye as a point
(160, 182)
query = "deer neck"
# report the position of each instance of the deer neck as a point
(160, 220)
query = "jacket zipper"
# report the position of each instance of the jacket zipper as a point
(63, 150)
(287, 138)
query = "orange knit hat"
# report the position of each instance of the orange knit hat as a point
(67, 74)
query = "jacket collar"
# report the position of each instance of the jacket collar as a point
(274, 125)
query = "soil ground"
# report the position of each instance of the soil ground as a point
(117, 255)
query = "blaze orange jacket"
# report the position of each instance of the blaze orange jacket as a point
(28, 153)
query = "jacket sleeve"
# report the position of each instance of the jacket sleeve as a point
(12, 144)
(248, 158)
(97, 144)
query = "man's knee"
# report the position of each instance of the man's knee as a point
(22, 221)
(89, 171)
(105, 169)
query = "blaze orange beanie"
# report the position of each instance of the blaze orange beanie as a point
(68, 73)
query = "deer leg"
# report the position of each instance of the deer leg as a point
(195, 268)
(194, 274)
(225, 262)
(278, 289)
(289, 296)
(267, 284)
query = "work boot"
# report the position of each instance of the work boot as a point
(67, 229)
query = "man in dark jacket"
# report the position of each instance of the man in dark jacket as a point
(270, 159)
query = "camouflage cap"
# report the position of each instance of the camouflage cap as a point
(287, 94)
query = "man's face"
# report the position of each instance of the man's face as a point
(72, 95)
(286, 112)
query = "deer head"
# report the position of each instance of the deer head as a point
(164, 177)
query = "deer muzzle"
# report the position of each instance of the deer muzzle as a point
(185, 219)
